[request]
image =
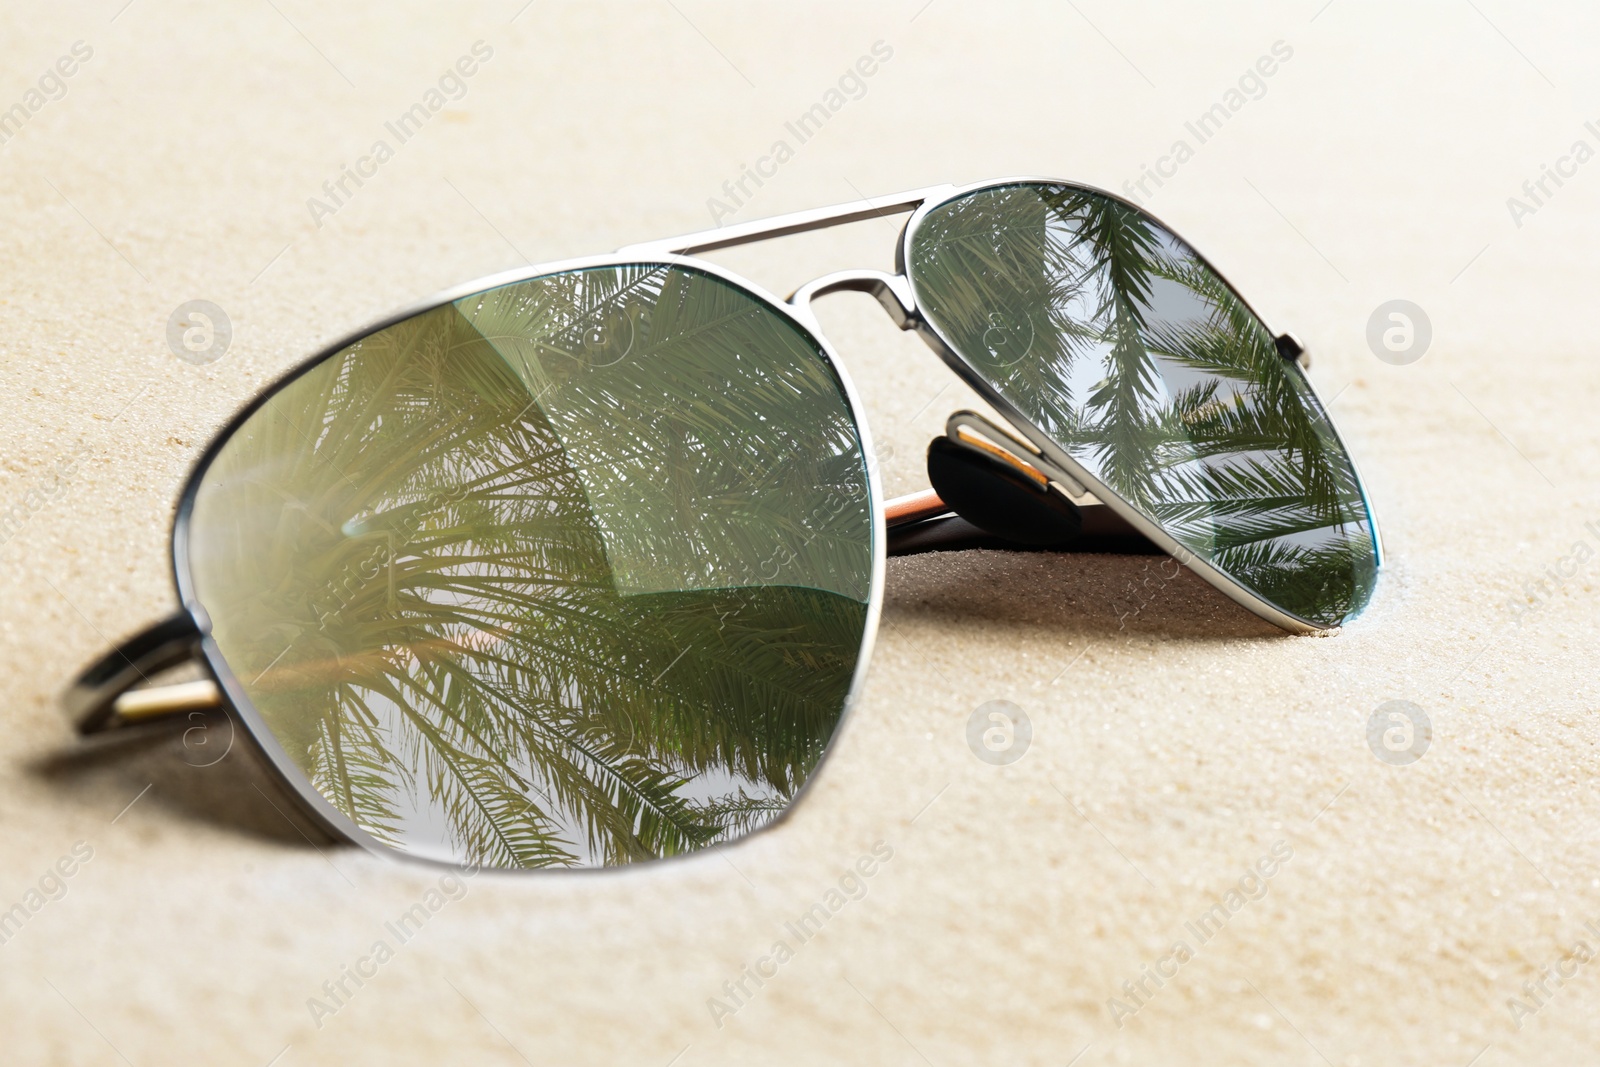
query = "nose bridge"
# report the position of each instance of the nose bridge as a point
(892, 291)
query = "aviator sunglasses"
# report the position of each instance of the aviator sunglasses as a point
(580, 565)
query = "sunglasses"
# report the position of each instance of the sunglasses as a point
(580, 565)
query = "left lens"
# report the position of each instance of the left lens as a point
(570, 572)
(1116, 340)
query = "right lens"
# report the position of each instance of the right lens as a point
(570, 572)
(1115, 339)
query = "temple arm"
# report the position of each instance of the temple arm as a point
(104, 695)
(114, 691)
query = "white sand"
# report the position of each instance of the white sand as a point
(1167, 759)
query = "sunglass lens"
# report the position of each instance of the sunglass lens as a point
(574, 571)
(1116, 340)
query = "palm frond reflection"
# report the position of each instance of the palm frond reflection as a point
(570, 572)
(1150, 371)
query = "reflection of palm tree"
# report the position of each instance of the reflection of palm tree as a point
(496, 687)
(1193, 416)
(1111, 244)
(1283, 510)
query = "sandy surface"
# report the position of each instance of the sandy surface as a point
(1169, 756)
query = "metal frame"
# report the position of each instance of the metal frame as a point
(92, 701)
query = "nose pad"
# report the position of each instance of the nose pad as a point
(998, 492)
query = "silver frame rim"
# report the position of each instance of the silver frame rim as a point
(941, 346)
(312, 802)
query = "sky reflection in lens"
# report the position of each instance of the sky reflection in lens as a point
(1113, 337)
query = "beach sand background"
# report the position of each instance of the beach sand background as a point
(1171, 751)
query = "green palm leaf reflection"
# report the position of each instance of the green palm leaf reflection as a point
(1113, 337)
(569, 572)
